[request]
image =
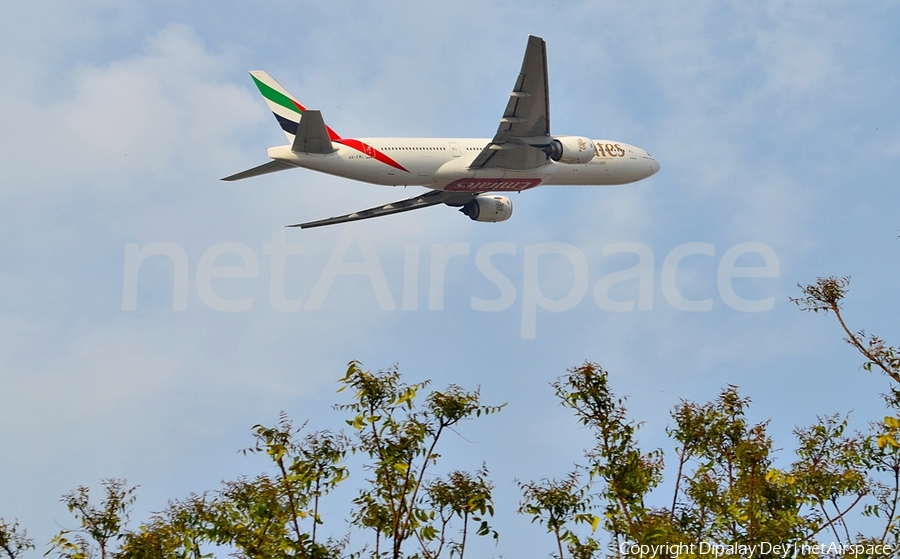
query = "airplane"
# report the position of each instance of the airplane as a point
(467, 173)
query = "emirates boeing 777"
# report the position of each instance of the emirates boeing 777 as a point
(467, 173)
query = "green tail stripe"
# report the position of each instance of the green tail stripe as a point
(276, 96)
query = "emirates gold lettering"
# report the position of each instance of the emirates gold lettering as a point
(608, 150)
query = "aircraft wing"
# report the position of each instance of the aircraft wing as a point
(525, 126)
(423, 201)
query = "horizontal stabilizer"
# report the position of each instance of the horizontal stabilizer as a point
(312, 136)
(425, 200)
(264, 169)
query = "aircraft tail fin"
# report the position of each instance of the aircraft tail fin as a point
(284, 106)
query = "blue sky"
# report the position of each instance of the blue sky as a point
(774, 123)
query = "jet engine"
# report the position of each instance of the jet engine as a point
(573, 150)
(487, 207)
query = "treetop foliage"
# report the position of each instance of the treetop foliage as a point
(13, 540)
(727, 486)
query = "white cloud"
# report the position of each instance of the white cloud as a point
(157, 113)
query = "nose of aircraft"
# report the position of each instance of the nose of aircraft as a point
(654, 166)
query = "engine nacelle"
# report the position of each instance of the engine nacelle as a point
(572, 150)
(488, 207)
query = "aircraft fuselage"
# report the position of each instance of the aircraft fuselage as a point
(466, 173)
(443, 164)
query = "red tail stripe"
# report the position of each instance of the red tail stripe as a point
(370, 151)
(332, 135)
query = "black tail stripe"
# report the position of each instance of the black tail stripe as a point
(288, 126)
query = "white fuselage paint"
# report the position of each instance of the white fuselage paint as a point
(441, 162)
